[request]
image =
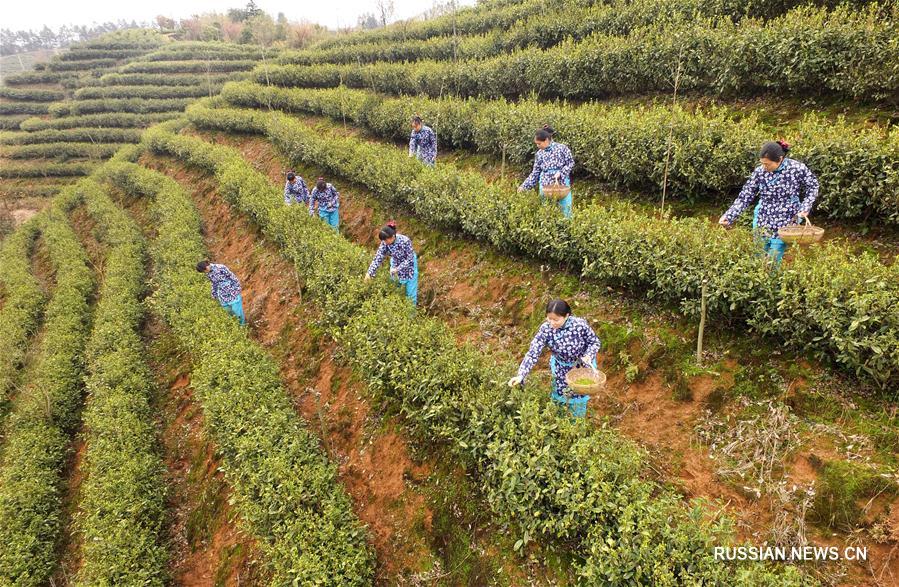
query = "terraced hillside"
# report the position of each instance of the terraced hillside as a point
(344, 437)
(62, 120)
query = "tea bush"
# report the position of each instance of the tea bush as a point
(32, 77)
(86, 65)
(212, 51)
(549, 475)
(163, 91)
(164, 79)
(844, 52)
(90, 53)
(139, 38)
(191, 66)
(22, 305)
(24, 108)
(60, 151)
(122, 511)
(45, 414)
(284, 489)
(105, 120)
(32, 94)
(827, 302)
(542, 28)
(45, 169)
(546, 23)
(713, 151)
(99, 135)
(132, 105)
(13, 121)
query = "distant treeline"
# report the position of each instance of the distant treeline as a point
(12, 42)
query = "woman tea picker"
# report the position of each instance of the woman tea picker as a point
(403, 260)
(778, 183)
(295, 190)
(552, 164)
(327, 198)
(423, 142)
(572, 343)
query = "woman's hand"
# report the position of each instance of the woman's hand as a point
(588, 360)
(515, 381)
(558, 176)
(367, 277)
(394, 271)
(520, 189)
(724, 222)
(803, 215)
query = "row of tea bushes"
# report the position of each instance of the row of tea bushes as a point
(93, 122)
(60, 151)
(827, 302)
(83, 134)
(45, 414)
(284, 488)
(845, 52)
(46, 169)
(119, 105)
(23, 301)
(32, 94)
(164, 79)
(122, 511)
(191, 66)
(138, 91)
(712, 150)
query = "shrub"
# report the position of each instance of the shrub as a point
(193, 66)
(60, 151)
(193, 51)
(147, 91)
(22, 305)
(713, 151)
(23, 108)
(31, 94)
(543, 27)
(12, 122)
(71, 135)
(122, 511)
(44, 415)
(139, 38)
(844, 52)
(44, 169)
(133, 105)
(87, 54)
(32, 77)
(86, 65)
(104, 120)
(166, 79)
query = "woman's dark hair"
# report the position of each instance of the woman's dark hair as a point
(545, 133)
(320, 184)
(291, 175)
(774, 150)
(389, 231)
(416, 119)
(202, 266)
(559, 308)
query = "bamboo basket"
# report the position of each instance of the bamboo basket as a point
(556, 191)
(598, 379)
(801, 234)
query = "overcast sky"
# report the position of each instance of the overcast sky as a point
(34, 14)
